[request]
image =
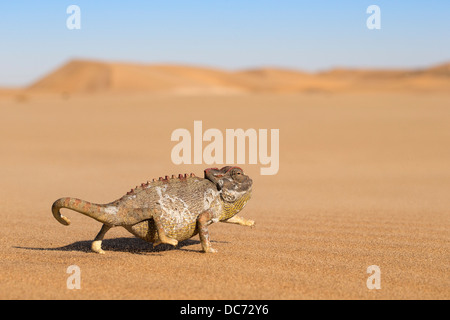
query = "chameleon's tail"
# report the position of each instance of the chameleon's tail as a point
(102, 213)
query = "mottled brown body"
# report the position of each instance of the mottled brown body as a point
(171, 209)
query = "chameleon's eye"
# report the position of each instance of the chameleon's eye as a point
(238, 175)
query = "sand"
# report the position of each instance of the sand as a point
(364, 180)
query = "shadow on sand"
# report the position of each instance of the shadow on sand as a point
(129, 245)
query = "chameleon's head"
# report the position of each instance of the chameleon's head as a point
(231, 181)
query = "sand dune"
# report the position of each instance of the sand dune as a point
(441, 70)
(76, 76)
(87, 76)
(80, 76)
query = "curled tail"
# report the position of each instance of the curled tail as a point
(103, 213)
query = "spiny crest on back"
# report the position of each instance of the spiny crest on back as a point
(161, 179)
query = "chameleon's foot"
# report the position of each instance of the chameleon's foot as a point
(172, 242)
(167, 240)
(156, 243)
(97, 247)
(241, 221)
(250, 223)
(210, 250)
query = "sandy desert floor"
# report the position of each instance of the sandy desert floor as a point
(364, 180)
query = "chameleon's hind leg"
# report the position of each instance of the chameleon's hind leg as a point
(161, 232)
(97, 243)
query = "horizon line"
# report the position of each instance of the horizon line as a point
(231, 70)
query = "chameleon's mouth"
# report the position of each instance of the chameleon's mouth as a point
(248, 185)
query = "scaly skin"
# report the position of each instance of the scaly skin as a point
(171, 209)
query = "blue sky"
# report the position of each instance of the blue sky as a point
(305, 35)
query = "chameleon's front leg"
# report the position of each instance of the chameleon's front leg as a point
(202, 225)
(240, 221)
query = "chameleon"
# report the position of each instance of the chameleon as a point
(169, 210)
